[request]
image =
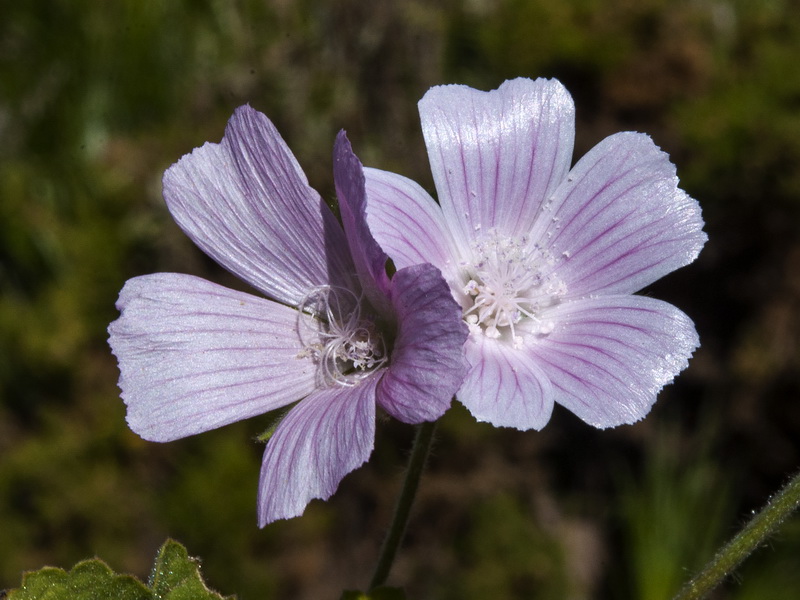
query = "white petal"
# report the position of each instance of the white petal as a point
(247, 204)
(407, 222)
(609, 357)
(505, 387)
(620, 221)
(194, 355)
(497, 156)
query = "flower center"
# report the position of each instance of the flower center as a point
(509, 284)
(346, 345)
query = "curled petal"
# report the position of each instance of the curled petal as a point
(194, 355)
(369, 258)
(427, 365)
(407, 222)
(620, 221)
(504, 386)
(496, 156)
(247, 204)
(609, 357)
(322, 439)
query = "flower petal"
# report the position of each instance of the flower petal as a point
(407, 222)
(194, 355)
(369, 258)
(322, 439)
(247, 204)
(620, 221)
(427, 365)
(496, 156)
(609, 357)
(505, 387)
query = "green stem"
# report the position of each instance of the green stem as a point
(746, 541)
(416, 464)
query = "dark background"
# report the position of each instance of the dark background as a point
(98, 98)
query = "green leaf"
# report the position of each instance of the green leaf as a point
(88, 580)
(274, 417)
(176, 575)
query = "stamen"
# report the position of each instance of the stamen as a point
(509, 283)
(346, 345)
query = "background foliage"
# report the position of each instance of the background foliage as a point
(97, 99)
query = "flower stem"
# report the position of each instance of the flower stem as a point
(744, 543)
(416, 464)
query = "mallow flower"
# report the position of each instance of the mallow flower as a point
(544, 259)
(335, 334)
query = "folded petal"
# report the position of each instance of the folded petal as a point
(322, 439)
(194, 355)
(504, 386)
(407, 222)
(608, 357)
(369, 258)
(496, 156)
(620, 222)
(427, 364)
(247, 204)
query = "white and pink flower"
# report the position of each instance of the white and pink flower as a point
(544, 259)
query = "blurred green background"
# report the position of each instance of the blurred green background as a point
(98, 98)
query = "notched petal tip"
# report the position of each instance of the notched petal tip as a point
(619, 221)
(609, 357)
(246, 203)
(320, 441)
(497, 156)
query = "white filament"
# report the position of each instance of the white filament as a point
(346, 345)
(509, 282)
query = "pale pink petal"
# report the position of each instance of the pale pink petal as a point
(194, 355)
(322, 439)
(504, 386)
(608, 357)
(407, 222)
(496, 156)
(427, 364)
(247, 204)
(620, 221)
(370, 260)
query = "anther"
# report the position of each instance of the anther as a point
(509, 282)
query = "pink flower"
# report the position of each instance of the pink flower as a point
(544, 259)
(336, 334)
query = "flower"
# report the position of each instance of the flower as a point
(544, 259)
(337, 334)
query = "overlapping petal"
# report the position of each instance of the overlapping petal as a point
(407, 222)
(504, 387)
(620, 222)
(369, 258)
(427, 366)
(496, 156)
(321, 440)
(608, 357)
(194, 355)
(247, 204)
